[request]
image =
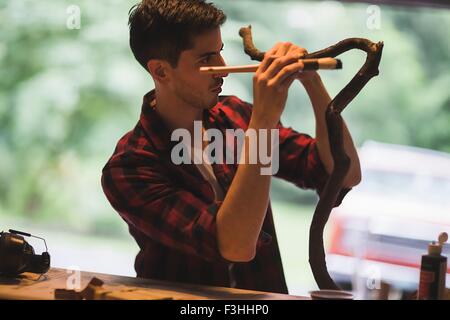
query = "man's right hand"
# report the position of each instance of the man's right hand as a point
(271, 82)
(241, 215)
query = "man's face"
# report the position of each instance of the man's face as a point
(199, 90)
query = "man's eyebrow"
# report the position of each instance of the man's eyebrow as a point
(211, 53)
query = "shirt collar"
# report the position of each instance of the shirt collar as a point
(159, 134)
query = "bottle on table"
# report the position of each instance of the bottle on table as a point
(433, 271)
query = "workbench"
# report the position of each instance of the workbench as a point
(32, 287)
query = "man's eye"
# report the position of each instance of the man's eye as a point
(205, 60)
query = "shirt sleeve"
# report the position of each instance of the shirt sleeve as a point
(299, 161)
(162, 211)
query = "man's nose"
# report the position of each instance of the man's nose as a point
(220, 63)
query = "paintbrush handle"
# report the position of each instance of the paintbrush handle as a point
(309, 64)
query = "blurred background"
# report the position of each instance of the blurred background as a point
(70, 88)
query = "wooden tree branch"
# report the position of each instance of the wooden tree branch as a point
(334, 122)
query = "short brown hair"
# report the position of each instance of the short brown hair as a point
(162, 29)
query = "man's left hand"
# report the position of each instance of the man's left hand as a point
(304, 76)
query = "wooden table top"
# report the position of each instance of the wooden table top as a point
(28, 286)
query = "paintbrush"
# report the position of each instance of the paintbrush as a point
(309, 64)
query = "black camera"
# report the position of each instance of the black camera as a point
(18, 256)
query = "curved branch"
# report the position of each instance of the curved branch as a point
(333, 187)
(249, 47)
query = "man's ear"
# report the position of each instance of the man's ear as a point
(158, 70)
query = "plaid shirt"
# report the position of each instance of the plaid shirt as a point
(171, 209)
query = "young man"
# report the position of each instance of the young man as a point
(210, 223)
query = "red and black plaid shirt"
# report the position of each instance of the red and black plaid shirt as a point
(171, 209)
